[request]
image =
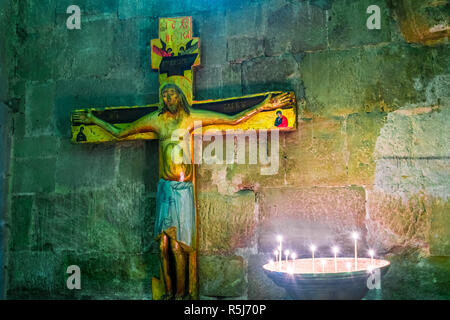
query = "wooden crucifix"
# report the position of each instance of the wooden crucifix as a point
(175, 54)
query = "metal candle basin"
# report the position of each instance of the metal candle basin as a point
(342, 283)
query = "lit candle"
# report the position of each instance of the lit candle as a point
(293, 256)
(371, 253)
(286, 253)
(313, 248)
(280, 239)
(279, 256)
(276, 258)
(355, 237)
(323, 264)
(335, 251)
(370, 269)
(349, 266)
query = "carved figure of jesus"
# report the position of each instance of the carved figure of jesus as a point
(175, 193)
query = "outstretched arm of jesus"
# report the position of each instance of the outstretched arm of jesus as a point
(145, 124)
(270, 103)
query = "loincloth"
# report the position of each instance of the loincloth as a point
(175, 207)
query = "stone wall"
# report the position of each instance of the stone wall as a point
(370, 153)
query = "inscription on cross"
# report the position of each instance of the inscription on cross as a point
(175, 54)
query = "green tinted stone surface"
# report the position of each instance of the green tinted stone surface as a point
(370, 151)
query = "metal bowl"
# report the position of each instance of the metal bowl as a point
(329, 281)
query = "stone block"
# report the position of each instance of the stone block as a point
(244, 48)
(409, 176)
(132, 161)
(230, 178)
(117, 219)
(395, 222)
(35, 275)
(36, 147)
(440, 228)
(414, 278)
(77, 169)
(317, 153)
(221, 276)
(323, 216)
(36, 175)
(38, 16)
(396, 137)
(295, 27)
(260, 286)
(21, 221)
(213, 41)
(225, 223)
(114, 275)
(52, 60)
(268, 74)
(248, 19)
(347, 24)
(422, 22)
(218, 82)
(60, 222)
(350, 81)
(429, 135)
(40, 103)
(362, 134)
(409, 154)
(89, 53)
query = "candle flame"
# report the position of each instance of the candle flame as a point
(355, 235)
(312, 247)
(286, 252)
(293, 255)
(335, 249)
(371, 252)
(279, 238)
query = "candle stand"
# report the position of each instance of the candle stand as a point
(324, 282)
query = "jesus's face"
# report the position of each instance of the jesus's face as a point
(171, 99)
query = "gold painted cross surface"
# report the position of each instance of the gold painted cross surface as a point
(175, 55)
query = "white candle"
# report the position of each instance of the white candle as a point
(280, 239)
(349, 266)
(370, 269)
(323, 265)
(286, 253)
(276, 258)
(313, 248)
(355, 237)
(335, 251)
(293, 256)
(371, 253)
(279, 257)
